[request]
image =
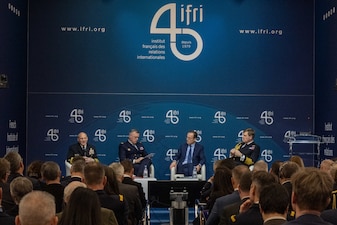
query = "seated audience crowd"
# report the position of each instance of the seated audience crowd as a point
(97, 194)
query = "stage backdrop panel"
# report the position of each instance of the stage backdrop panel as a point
(326, 68)
(13, 74)
(164, 68)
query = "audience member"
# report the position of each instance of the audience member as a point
(275, 168)
(330, 216)
(17, 168)
(34, 172)
(233, 209)
(51, 174)
(128, 179)
(207, 188)
(134, 151)
(83, 208)
(37, 208)
(310, 196)
(247, 152)
(260, 165)
(225, 200)
(108, 216)
(131, 194)
(95, 179)
(76, 171)
(286, 171)
(274, 204)
(82, 148)
(111, 185)
(326, 165)
(298, 160)
(249, 210)
(5, 219)
(222, 186)
(7, 201)
(190, 154)
(19, 187)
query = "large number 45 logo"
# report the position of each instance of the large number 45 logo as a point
(173, 31)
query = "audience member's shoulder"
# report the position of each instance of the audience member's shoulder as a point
(330, 216)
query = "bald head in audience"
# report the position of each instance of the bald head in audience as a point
(37, 208)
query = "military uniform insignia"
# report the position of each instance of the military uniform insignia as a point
(91, 151)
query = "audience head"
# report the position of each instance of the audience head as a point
(326, 165)
(274, 199)
(50, 171)
(275, 168)
(287, 169)
(4, 170)
(311, 190)
(237, 173)
(128, 167)
(111, 186)
(228, 163)
(260, 166)
(94, 174)
(34, 169)
(222, 183)
(37, 208)
(298, 160)
(118, 170)
(16, 162)
(19, 187)
(77, 166)
(70, 188)
(260, 179)
(133, 136)
(245, 183)
(83, 208)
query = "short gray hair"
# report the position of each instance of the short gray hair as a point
(37, 208)
(19, 187)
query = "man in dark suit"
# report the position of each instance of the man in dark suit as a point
(190, 154)
(249, 211)
(95, 179)
(274, 204)
(128, 179)
(310, 196)
(16, 169)
(82, 148)
(233, 209)
(247, 152)
(134, 151)
(131, 194)
(5, 219)
(76, 171)
(221, 202)
(287, 169)
(51, 173)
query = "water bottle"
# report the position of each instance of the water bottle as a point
(145, 172)
(194, 174)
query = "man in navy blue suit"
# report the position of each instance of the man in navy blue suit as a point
(190, 154)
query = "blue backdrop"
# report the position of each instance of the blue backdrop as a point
(162, 67)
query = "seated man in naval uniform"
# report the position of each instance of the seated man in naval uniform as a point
(82, 148)
(135, 152)
(246, 152)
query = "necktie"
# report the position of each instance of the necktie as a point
(189, 154)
